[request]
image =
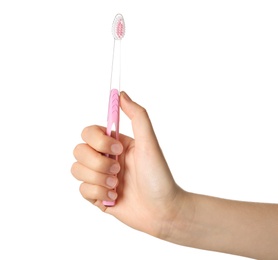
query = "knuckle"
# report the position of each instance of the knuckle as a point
(90, 192)
(87, 132)
(78, 150)
(83, 190)
(84, 132)
(74, 168)
(142, 110)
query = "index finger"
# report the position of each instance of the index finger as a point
(95, 136)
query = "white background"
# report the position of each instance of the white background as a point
(206, 71)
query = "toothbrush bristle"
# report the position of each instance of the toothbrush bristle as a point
(118, 28)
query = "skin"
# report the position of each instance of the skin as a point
(163, 209)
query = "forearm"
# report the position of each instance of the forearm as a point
(234, 227)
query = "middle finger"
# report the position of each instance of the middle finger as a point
(94, 160)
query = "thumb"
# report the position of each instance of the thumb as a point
(148, 152)
(141, 123)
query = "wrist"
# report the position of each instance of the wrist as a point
(177, 226)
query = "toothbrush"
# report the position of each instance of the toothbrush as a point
(118, 32)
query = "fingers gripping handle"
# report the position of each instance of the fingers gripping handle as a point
(113, 121)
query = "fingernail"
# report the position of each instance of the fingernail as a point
(116, 148)
(112, 195)
(111, 182)
(126, 96)
(115, 168)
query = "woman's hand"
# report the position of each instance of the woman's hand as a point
(146, 194)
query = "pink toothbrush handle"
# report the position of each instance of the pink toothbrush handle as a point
(113, 120)
(113, 113)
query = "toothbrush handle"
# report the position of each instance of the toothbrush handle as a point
(113, 121)
(113, 113)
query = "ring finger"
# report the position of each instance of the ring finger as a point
(82, 173)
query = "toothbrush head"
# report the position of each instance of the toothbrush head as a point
(118, 27)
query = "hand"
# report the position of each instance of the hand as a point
(149, 200)
(146, 192)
